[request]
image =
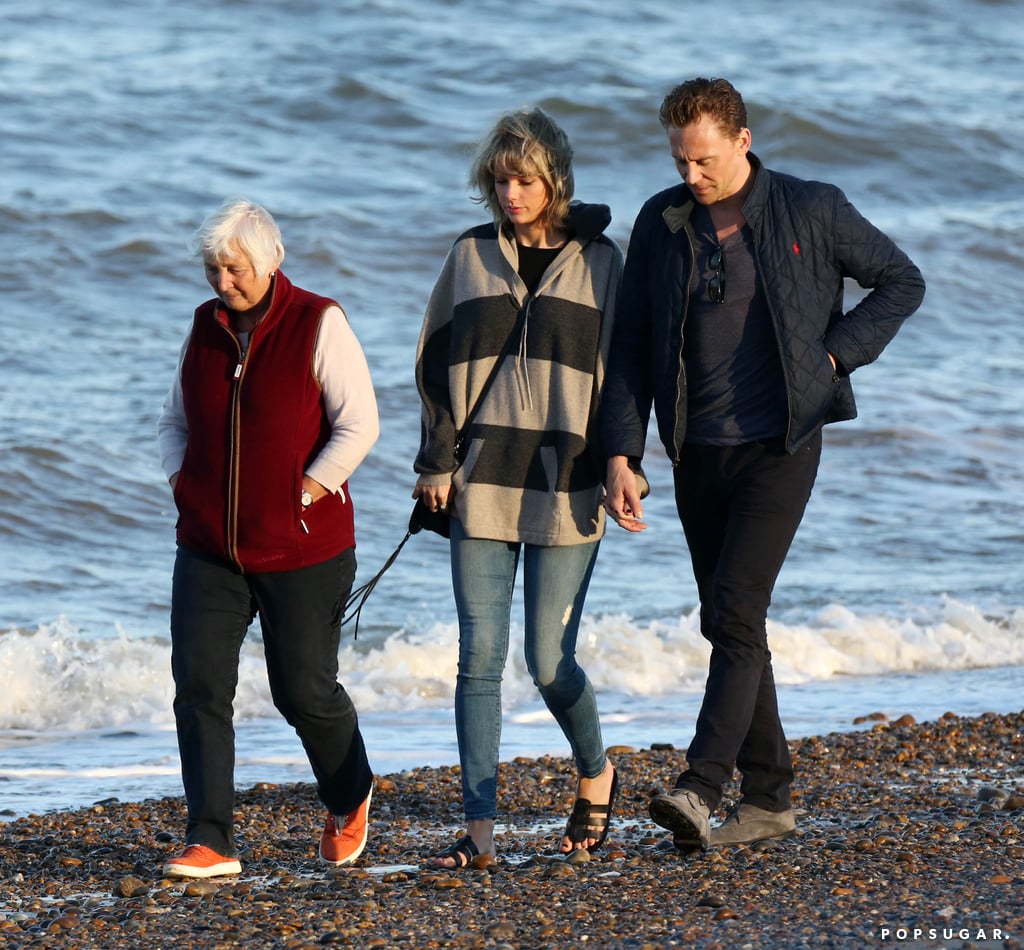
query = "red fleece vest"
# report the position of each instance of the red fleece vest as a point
(254, 425)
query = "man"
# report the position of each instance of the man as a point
(731, 322)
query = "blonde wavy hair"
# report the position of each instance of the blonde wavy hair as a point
(528, 143)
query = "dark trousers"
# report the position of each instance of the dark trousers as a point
(740, 507)
(212, 606)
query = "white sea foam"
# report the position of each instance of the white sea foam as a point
(56, 678)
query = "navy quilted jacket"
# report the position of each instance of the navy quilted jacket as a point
(807, 238)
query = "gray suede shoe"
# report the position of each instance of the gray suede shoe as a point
(685, 815)
(747, 823)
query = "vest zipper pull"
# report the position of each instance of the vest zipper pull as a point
(243, 351)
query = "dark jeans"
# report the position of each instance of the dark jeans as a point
(740, 507)
(212, 606)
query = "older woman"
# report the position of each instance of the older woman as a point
(270, 411)
(509, 366)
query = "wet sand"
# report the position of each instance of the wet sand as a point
(909, 835)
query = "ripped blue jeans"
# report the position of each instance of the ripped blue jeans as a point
(555, 581)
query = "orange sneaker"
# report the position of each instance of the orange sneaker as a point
(197, 860)
(343, 839)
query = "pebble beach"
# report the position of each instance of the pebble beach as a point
(909, 834)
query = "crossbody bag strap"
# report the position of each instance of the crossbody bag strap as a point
(460, 436)
(357, 598)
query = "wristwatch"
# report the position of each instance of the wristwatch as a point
(306, 499)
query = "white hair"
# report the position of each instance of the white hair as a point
(247, 226)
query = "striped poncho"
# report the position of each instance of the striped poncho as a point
(529, 469)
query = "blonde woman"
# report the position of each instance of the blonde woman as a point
(509, 368)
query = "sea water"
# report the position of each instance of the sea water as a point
(125, 124)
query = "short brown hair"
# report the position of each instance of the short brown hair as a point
(529, 143)
(718, 99)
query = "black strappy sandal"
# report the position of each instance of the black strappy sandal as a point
(462, 852)
(586, 818)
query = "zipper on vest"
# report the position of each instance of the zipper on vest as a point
(243, 351)
(234, 462)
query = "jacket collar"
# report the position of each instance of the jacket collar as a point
(584, 223)
(677, 214)
(281, 295)
(758, 196)
(588, 221)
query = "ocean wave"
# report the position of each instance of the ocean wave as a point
(56, 678)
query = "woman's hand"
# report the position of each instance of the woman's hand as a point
(315, 489)
(434, 497)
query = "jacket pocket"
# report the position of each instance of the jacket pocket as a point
(822, 389)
